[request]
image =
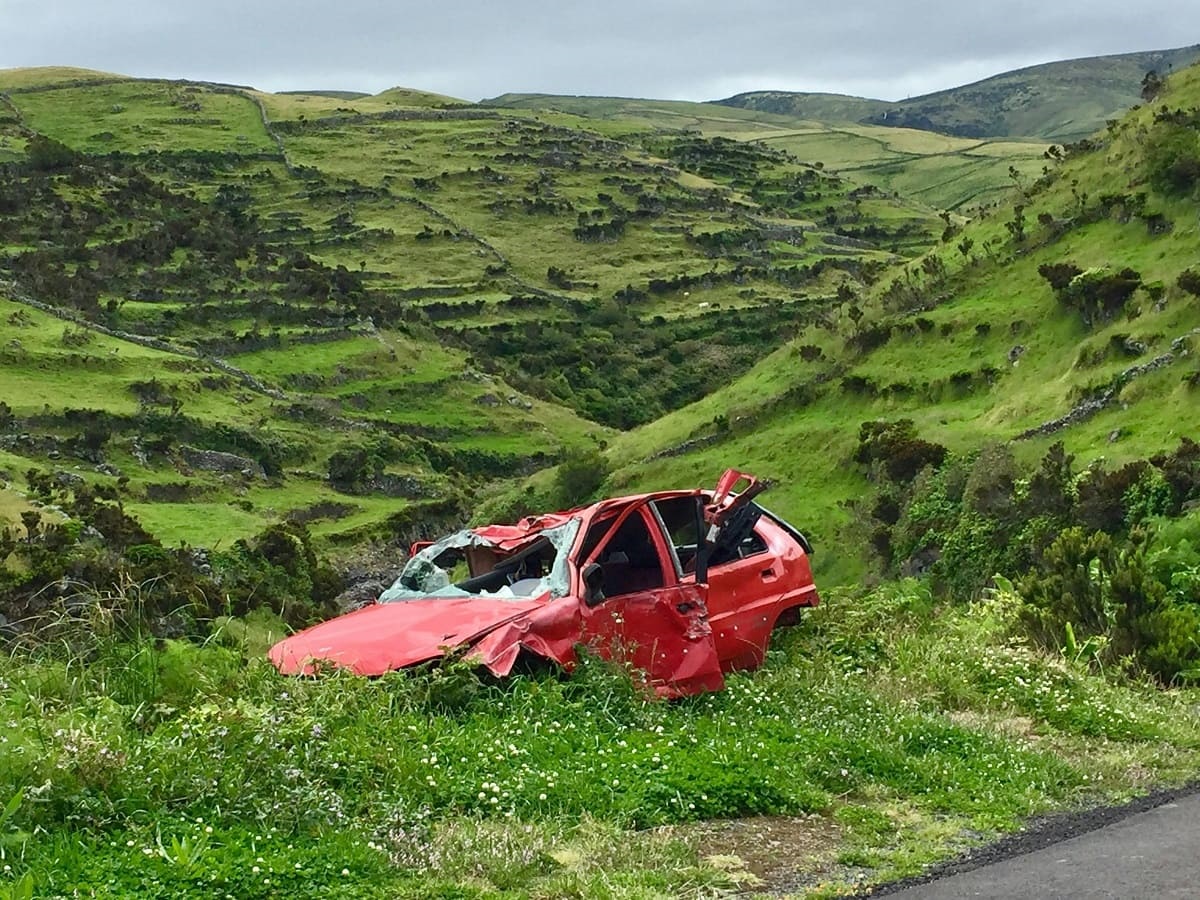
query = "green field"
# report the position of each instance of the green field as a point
(936, 170)
(503, 284)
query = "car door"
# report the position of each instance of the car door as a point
(642, 613)
(743, 577)
(744, 586)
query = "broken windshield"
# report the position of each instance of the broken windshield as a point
(534, 567)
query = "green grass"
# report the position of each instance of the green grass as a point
(146, 115)
(906, 736)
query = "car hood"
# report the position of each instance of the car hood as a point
(387, 636)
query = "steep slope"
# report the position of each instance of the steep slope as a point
(1059, 101)
(972, 344)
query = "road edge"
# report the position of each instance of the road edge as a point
(1039, 833)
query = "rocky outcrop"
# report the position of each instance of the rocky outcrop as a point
(216, 461)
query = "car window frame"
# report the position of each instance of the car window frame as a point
(640, 507)
(764, 549)
(667, 539)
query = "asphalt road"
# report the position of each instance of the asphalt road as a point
(1155, 853)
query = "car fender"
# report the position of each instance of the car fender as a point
(551, 632)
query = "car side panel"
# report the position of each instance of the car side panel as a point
(661, 631)
(747, 596)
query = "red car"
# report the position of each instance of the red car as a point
(683, 585)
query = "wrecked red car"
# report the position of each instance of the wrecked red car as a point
(684, 586)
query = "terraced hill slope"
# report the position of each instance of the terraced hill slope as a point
(938, 170)
(974, 345)
(1058, 101)
(375, 303)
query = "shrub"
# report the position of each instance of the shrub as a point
(1148, 497)
(45, 154)
(1181, 469)
(1051, 491)
(1099, 293)
(1089, 586)
(1059, 274)
(349, 467)
(897, 448)
(579, 475)
(1189, 280)
(1173, 158)
(1101, 503)
(991, 485)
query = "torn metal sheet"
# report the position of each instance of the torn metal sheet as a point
(682, 586)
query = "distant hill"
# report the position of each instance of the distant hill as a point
(944, 172)
(1059, 101)
(335, 95)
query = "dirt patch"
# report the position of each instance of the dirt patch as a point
(779, 853)
(1010, 726)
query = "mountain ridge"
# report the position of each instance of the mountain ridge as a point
(1027, 102)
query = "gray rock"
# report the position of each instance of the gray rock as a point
(360, 594)
(216, 461)
(67, 479)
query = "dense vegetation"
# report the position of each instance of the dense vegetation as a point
(176, 769)
(251, 333)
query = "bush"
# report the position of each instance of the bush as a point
(1090, 587)
(45, 154)
(579, 475)
(1189, 280)
(349, 467)
(1099, 294)
(1173, 158)
(1101, 503)
(1059, 274)
(896, 447)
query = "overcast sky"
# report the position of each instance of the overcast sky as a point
(683, 49)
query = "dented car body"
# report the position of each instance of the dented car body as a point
(685, 586)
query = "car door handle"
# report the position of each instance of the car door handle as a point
(685, 607)
(768, 573)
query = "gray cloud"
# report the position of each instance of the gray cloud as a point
(693, 50)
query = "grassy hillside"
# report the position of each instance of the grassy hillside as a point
(440, 295)
(940, 171)
(1060, 101)
(356, 318)
(959, 174)
(972, 344)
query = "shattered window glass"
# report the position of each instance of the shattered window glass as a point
(535, 567)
